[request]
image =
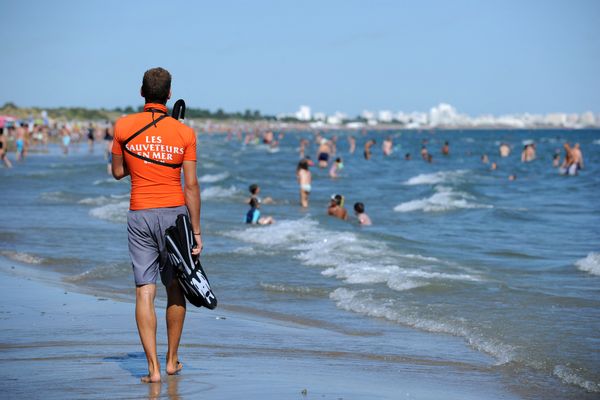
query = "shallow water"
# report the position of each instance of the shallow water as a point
(511, 269)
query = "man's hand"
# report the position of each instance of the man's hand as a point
(198, 247)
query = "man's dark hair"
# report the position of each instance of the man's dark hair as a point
(156, 85)
(359, 207)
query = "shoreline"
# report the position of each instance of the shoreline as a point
(61, 334)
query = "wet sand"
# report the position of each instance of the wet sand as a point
(59, 344)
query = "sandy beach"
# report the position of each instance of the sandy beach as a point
(59, 344)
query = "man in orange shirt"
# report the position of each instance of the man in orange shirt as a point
(153, 148)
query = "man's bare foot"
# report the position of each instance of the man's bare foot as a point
(151, 378)
(173, 369)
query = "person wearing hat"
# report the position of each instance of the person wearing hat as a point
(336, 207)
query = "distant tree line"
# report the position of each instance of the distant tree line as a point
(81, 113)
(201, 113)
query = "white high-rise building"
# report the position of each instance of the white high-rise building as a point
(303, 114)
(385, 116)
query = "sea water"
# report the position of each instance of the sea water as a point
(511, 269)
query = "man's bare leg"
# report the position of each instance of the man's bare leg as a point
(145, 317)
(175, 319)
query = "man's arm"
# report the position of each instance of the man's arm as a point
(119, 168)
(191, 191)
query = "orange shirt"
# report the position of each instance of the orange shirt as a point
(153, 185)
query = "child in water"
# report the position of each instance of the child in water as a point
(363, 218)
(336, 167)
(253, 215)
(304, 178)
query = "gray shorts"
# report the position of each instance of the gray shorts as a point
(146, 233)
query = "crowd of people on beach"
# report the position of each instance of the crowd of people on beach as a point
(24, 135)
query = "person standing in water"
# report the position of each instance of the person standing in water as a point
(367, 151)
(4, 148)
(304, 178)
(446, 149)
(351, 144)
(157, 198)
(324, 153)
(577, 156)
(336, 207)
(336, 167)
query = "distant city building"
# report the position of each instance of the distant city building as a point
(385, 116)
(303, 114)
(446, 116)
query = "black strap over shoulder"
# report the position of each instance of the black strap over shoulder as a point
(150, 160)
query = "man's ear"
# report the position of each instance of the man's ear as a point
(142, 91)
(169, 96)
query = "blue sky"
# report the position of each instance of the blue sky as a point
(480, 56)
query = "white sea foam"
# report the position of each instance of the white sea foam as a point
(95, 201)
(219, 192)
(22, 257)
(348, 257)
(58, 197)
(571, 377)
(362, 302)
(283, 288)
(444, 199)
(282, 233)
(100, 272)
(436, 177)
(597, 141)
(109, 181)
(590, 264)
(212, 178)
(116, 212)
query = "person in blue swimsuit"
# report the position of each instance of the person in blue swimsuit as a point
(253, 215)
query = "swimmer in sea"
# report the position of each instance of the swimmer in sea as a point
(556, 159)
(21, 143)
(323, 153)
(4, 148)
(91, 136)
(363, 218)
(387, 146)
(336, 167)
(108, 138)
(253, 215)
(254, 190)
(304, 178)
(528, 153)
(504, 150)
(66, 140)
(352, 144)
(303, 144)
(424, 152)
(367, 151)
(267, 137)
(446, 149)
(569, 165)
(485, 159)
(407, 157)
(336, 207)
(577, 156)
(494, 166)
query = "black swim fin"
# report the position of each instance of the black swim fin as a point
(192, 278)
